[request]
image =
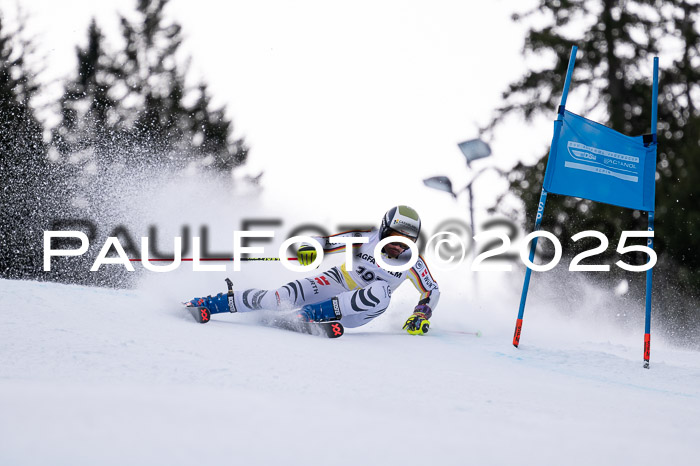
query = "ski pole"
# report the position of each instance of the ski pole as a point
(459, 332)
(212, 259)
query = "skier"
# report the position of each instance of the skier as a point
(355, 296)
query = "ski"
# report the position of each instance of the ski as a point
(323, 329)
(332, 329)
(200, 314)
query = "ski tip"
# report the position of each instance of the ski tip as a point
(336, 330)
(200, 314)
(478, 333)
(330, 329)
(327, 329)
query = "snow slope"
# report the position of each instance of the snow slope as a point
(97, 376)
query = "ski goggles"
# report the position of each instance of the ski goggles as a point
(396, 243)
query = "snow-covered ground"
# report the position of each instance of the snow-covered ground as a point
(95, 376)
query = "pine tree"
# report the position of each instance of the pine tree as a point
(162, 125)
(678, 169)
(88, 107)
(211, 130)
(26, 188)
(131, 112)
(86, 144)
(613, 66)
(133, 107)
(614, 51)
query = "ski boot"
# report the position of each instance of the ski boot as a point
(203, 308)
(321, 312)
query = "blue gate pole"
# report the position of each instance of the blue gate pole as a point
(647, 318)
(543, 196)
(650, 241)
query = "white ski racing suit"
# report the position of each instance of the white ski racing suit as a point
(363, 292)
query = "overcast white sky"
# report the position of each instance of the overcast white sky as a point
(347, 104)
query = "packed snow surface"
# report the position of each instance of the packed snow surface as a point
(96, 376)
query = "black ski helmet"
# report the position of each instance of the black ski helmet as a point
(402, 220)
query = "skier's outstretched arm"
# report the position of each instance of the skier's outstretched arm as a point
(307, 253)
(424, 282)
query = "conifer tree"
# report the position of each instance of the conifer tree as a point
(89, 117)
(25, 184)
(130, 111)
(162, 124)
(617, 40)
(678, 169)
(134, 108)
